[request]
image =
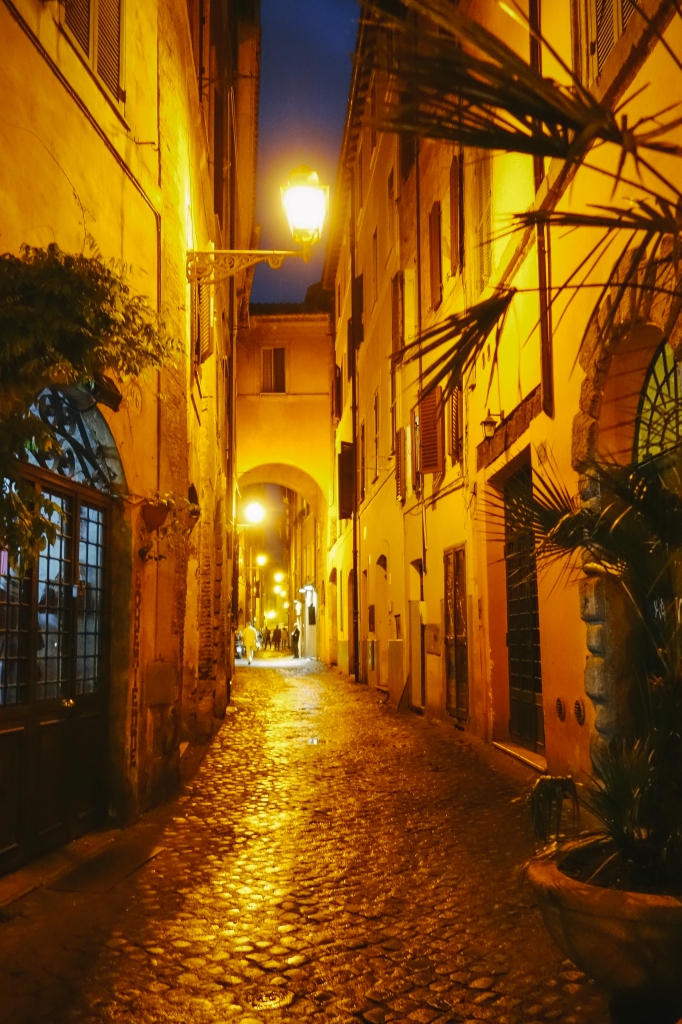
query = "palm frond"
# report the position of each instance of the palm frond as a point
(464, 335)
(457, 82)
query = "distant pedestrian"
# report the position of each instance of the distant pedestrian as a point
(267, 638)
(277, 637)
(250, 638)
(295, 636)
(285, 637)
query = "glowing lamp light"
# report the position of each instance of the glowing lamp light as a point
(270, 615)
(279, 576)
(305, 204)
(277, 590)
(285, 605)
(254, 512)
(261, 559)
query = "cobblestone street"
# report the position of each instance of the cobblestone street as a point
(330, 860)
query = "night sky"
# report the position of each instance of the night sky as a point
(305, 77)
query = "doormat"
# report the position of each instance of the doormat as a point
(108, 868)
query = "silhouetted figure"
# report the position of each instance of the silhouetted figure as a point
(267, 638)
(277, 637)
(295, 637)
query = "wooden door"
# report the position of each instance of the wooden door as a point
(456, 641)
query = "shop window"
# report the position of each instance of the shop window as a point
(274, 376)
(95, 26)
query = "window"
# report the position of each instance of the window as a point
(363, 465)
(607, 20)
(375, 267)
(359, 308)
(390, 192)
(274, 378)
(337, 394)
(218, 154)
(483, 255)
(413, 450)
(359, 181)
(346, 474)
(373, 113)
(400, 486)
(201, 322)
(95, 25)
(456, 215)
(431, 433)
(375, 410)
(435, 256)
(457, 425)
(397, 342)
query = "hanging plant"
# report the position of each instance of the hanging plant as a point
(64, 319)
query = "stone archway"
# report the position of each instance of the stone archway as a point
(616, 369)
(293, 478)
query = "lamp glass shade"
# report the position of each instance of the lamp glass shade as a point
(305, 204)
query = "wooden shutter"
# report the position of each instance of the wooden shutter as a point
(337, 396)
(359, 309)
(397, 319)
(218, 154)
(456, 215)
(414, 449)
(363, 466)
(77, 17)
(109, 44)
(400, 485)
(346, 465)
(456, 438)
(483, 181)
(605, 30)
(205, 339)
(431, 433)
(278, 370)
(627, 9)
(435, 256)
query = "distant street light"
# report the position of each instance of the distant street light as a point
(254, 512)
(305, 203)
(277, 590)
(285, 605)
(261, 560)
(279, 576)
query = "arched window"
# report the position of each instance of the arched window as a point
(659, 418)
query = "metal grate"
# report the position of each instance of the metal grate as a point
(55, 590)
(77, 17)
(90, 599)
(659, 420)
(526, 723)
(109, 44)
(15, 621)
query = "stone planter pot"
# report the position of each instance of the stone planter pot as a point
(629, 942)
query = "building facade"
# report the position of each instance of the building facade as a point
(126, 122)
(437, 596)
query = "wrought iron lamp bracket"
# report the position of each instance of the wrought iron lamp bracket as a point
(218, 265)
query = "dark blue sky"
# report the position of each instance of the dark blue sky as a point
(305, 77)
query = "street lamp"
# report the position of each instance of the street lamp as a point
(489, 424)
(261, 560)
(305, 203)
(279, 576)
(254, 512)
(277, 590)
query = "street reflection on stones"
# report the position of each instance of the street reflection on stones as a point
(330, 860)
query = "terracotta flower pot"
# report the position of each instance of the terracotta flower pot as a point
(154, 516)
(629, 942)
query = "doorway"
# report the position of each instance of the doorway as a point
(53, 723)
(456, 643)
(526, 713)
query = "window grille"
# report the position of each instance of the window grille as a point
(274, 381)
(431, 433)
(659, 419)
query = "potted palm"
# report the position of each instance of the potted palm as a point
(612, 896)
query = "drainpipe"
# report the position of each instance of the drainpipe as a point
(355, 317)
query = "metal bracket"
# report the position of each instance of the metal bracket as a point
(219, 264)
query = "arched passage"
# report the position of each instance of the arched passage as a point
(291, 477)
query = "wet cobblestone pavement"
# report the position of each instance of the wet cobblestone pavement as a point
(330, 861)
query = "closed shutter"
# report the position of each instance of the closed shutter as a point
(218, 154)
(400, 485)
(457, 424)
(77, 17)
(346, 464)
(363, 466)
(435, 256)
(205, 345)
(456, 216)
(606, 31)
(483, 184)
(431, 433)
(627, 9)
(359, 308)
(414, 450)
(397, 320)
(338, 393)
(278, 371)
(109, 44)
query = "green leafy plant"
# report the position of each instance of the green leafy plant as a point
(64, 320)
